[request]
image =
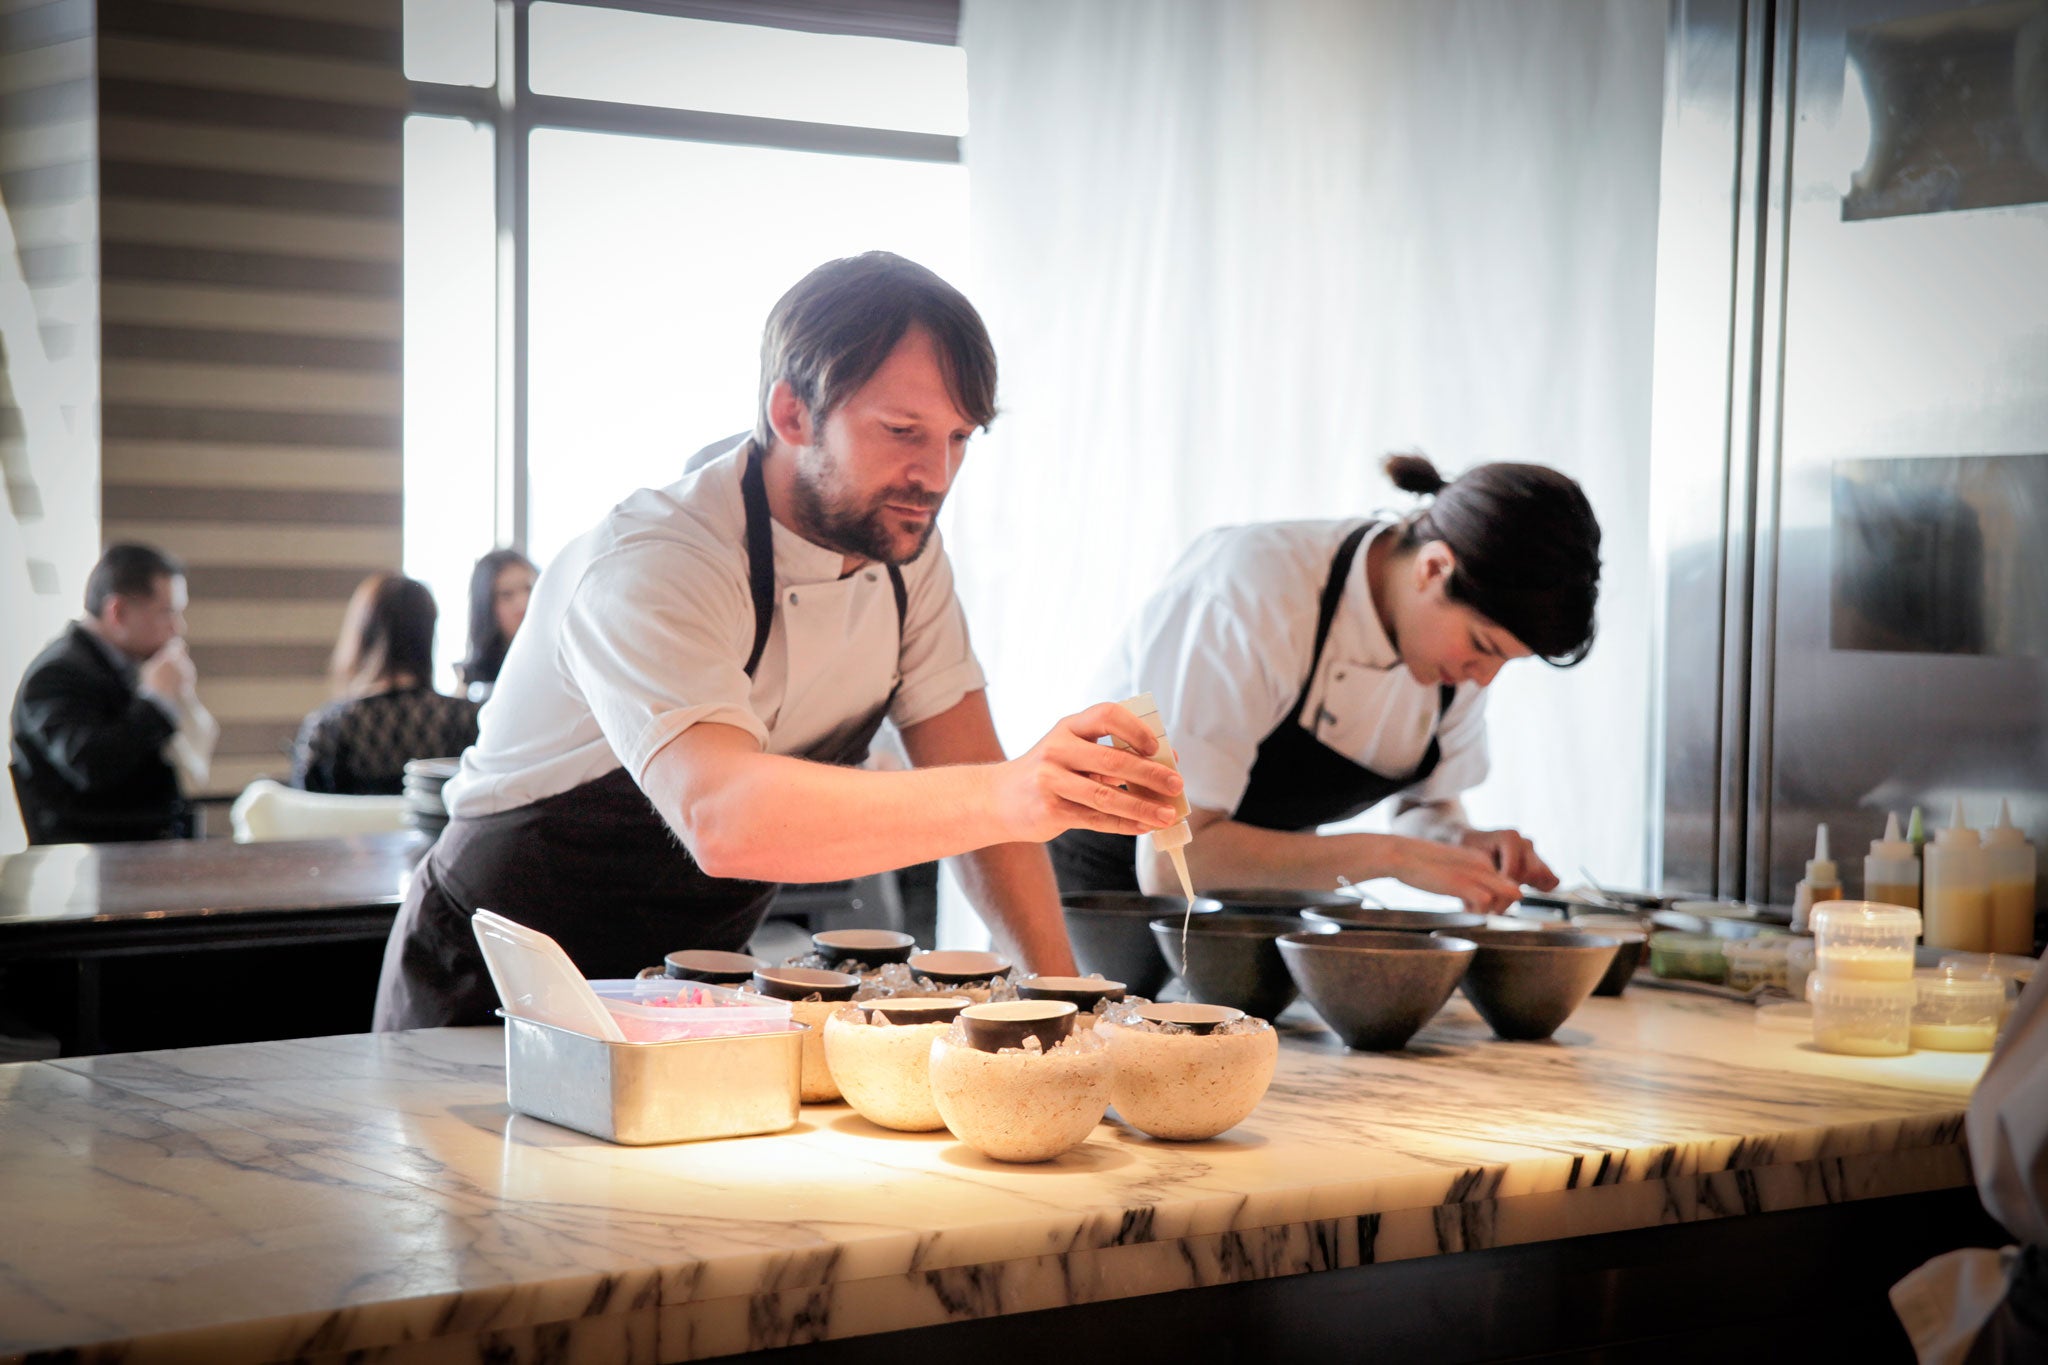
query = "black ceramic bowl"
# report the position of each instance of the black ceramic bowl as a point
(1082, 992)
(1231, 960)
(1192, 1017)
(1527, 982)
(1397, 921)
(957, 966)
(993, 1027)
(914, 1009)
(1112, 936)
(1375, 989)
(801, 983)
(870, 946)
(1278, 900)
(710, 965)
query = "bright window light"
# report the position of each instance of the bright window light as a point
(451, 42)
(654, 264)
(450, 367)
(747, 69)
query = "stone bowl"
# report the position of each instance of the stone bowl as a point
(1184, 1087)
(1231, 960)
(1397, 921)
(1008, 1023)
(1279, 900)
(1111, 934)
(958, 966)
(1376, 988)
(797, 985)
(870, 947)
(1021, 1106)
(1527, 982)
(884, 1067)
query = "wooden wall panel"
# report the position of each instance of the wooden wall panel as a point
(250, 158)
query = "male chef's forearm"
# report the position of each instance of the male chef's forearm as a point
(1012, 887)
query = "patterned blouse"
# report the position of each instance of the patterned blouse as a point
(360, 747)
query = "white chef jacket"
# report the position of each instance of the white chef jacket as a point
(1224, 645)
(642, 627)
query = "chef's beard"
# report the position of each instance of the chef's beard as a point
(864, 530)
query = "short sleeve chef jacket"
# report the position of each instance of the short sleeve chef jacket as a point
(1225, 644)
(642, 627)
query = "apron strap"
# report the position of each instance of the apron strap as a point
(761, 560)
(1326, 613)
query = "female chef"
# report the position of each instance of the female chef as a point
(1310, 670)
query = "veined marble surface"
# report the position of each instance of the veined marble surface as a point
(372, 1196)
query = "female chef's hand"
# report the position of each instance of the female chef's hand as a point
(1068, 781)
(1513, 856)
(1462, 872)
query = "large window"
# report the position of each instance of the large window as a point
(602, 203)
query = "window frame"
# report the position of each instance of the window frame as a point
(514, 111)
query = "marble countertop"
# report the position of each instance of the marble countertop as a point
(305, 1200)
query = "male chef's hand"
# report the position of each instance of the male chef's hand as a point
(1068, 781)
(1462, 872)
(1513, 856)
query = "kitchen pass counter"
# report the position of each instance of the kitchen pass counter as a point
(304, 1200)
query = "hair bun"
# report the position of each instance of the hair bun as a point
(1414, 474)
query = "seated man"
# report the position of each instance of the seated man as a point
(107, 718)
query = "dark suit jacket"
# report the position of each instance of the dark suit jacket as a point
(87, 756)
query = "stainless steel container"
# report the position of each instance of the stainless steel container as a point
(643, 1093)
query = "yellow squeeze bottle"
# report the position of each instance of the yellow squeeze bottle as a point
(1958, 896)
(1821, 883)
(2009, 867)
(1891, 874)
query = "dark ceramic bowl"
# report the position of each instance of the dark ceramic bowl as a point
(1527, 982)
(993, 1027)
(871, 946)
(1112, 936)
(957, 967)
(1193, 1018)
(708, 964)
(1635, 946)
(1398, 921)
(1276, 900)
(1082, 992)
(914, 1009)
(801, 983)
(1231, 960)
(1376, 988)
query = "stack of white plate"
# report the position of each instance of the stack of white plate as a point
(424, 778)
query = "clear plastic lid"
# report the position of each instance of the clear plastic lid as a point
(1865, 924)
(1957, 995)
(1860, 992)
(536, 980)
(2011, 966)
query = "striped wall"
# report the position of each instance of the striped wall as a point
(250, 161)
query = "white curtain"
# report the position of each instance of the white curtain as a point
(1233, 251)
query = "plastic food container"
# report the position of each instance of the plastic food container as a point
(1958, 1009)
(1688, 957)
(661, 1010)
(1863, 1016)
(1754, 962)
(1863, 939)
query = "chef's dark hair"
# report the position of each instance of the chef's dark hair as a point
(127, 570)
(829, 334)
(1526, 543)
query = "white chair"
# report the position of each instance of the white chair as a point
(269, 810)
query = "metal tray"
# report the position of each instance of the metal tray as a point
(639, 1094)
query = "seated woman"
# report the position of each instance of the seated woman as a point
(1310, 670)
(388, 712)
(499, 587)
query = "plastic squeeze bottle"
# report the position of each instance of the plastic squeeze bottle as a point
(1821, 882)
(1174, 837)
(1958, 892)
(1891, 874)
(2009, 867)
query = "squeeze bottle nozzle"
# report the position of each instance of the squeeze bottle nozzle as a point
(1893, 845)
(1820, 869)
(2004, 834)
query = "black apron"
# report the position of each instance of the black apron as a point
(1297, 781)
(595, 867)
